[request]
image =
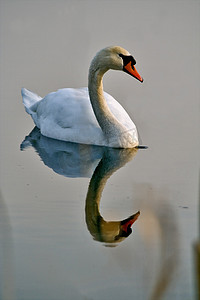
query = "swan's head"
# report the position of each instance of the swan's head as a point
(115, 58)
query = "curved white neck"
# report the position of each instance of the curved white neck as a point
(110, 126)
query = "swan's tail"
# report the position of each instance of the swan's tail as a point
(29, 100)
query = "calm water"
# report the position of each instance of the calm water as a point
(61, 204)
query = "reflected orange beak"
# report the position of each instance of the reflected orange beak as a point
(126, 224)
(130, 69)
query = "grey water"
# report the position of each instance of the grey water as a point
(86, 222)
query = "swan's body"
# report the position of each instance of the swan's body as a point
(87, 115)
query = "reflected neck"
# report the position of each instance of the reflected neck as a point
(112, 160)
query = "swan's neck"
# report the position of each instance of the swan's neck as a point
(110, 126)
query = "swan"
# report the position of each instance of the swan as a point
(87, 115)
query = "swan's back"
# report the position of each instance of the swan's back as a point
(67, 115)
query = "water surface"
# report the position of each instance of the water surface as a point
(63, 205)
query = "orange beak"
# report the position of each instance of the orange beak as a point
(130, 69)
(127, 223)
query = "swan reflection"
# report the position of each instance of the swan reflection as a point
(65, 158)
(157, 229)
(77, 160)
(101, 230)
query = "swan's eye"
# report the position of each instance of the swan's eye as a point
(127, 59)
(133, 60)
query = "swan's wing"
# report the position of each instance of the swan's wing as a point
(67, 115)
(119, 112)
(68, 108)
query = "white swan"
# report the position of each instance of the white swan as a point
(87, 115)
